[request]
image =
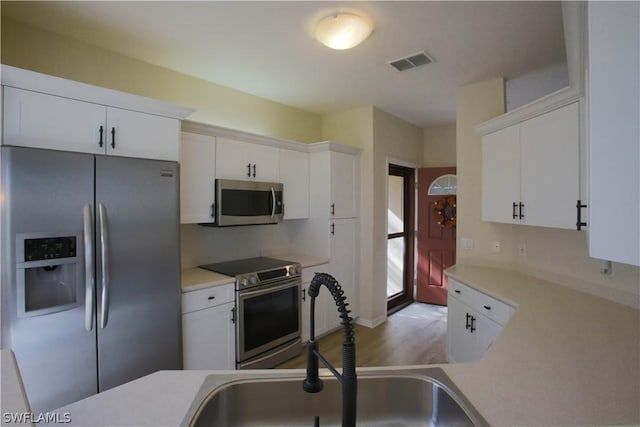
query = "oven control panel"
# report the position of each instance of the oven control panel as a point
(272, 276)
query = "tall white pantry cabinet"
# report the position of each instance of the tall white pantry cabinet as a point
(332, 230)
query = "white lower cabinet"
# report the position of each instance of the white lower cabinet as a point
(321, 303)
(208, 330)
(474, 322)
(342, 250)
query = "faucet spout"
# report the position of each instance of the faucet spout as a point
(348, 378)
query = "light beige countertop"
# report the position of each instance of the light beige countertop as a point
(564, 358)
(305, 260)
(199, 278)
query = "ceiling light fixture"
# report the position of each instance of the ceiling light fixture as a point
(343, 30)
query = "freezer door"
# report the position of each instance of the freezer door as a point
(43, 273)
(138, 269)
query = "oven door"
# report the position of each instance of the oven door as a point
(268, 316)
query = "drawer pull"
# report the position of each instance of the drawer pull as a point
(457, 291)
(487, 307)
(211, 297)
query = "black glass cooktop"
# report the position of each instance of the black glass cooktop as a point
(245, 266)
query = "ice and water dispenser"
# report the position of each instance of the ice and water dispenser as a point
(48, 273)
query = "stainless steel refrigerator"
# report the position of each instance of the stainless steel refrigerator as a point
(90, 271)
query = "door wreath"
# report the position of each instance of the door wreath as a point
(445, 211)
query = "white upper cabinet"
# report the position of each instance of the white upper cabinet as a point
(294, 175)
(39, 120)
(531, 171)
(501, 175)
(334, 184)
(246, 161)
(343, 185)
(134, 134)
(33, 119)
(550, 168)
(613, 85)
(197, 178)
(43, 111)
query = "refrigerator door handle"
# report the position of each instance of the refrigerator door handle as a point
(104, 247)
(89, 275)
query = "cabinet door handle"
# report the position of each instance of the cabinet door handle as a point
(487, 307)
(113, 137)
(100, 143)
(521, 210)
(254, 170)
(333, 229)
(579, 222)
(304, 294)
(333, 209)
(249, 170)
(473, 324)
(233, 315)
(467, 322)
(513, 210)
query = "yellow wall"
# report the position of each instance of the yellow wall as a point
(352, 127)
(439, 146)
(31, 48)
(552, 254)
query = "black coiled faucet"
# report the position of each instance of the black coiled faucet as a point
(348, 379)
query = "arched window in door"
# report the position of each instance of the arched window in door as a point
(443, 185)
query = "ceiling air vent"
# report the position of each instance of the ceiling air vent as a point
(411, 61)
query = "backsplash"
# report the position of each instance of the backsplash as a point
(204, 245)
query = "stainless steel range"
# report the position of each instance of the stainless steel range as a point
(268, 310)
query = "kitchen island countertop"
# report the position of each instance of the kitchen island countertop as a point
(564, 358)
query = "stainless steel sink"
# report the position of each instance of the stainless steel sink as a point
(425, 397)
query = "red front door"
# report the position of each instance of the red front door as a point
(436, 242)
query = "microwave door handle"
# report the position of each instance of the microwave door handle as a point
(273, 207)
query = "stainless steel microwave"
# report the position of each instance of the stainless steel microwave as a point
(248, 202)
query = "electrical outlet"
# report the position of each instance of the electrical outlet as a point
(495, 247)
(522, 249)
(466, 243)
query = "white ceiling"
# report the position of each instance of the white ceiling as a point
(265, 48)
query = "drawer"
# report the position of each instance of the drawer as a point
(309, 272)
(464, 293)
(208, 297)
(494, 309)
(482, 303)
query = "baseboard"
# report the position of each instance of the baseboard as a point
(371, 323)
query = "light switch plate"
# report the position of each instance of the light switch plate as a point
(466, 243)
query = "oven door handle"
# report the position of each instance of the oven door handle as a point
(266, 290)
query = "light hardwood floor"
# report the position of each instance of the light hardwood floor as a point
(414, 335)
